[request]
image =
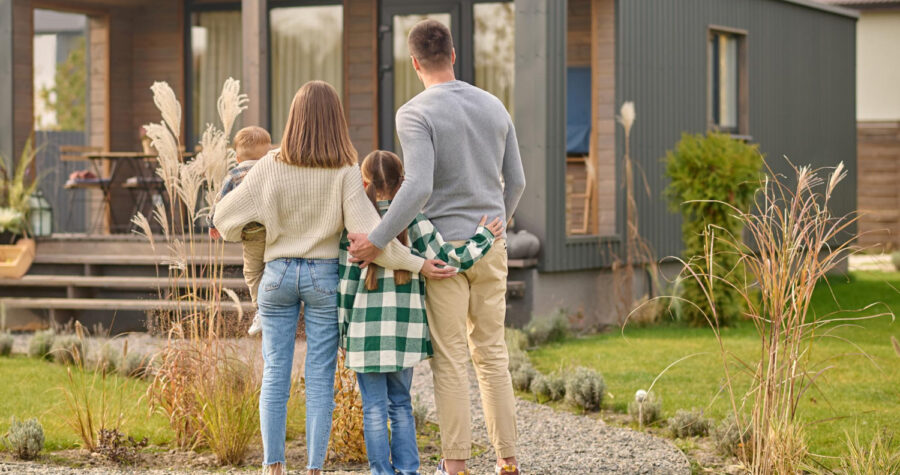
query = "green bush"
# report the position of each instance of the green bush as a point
(25, 438)
(516, 340)
(585, 389)
(41, 343)
(895, 258)
(543, 330)
(689, 423)
(134, 365)
(707, 174)
(522, 377)
(6, 344)
(548, 388)
(729, 438)
(645, 408)
(108, 359)
(68, 349)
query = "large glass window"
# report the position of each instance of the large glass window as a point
(60, 71)
(495, 50)
(216, 55)
(724, 93)
(306, 43)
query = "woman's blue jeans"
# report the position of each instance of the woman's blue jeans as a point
(386, 396)
(285, 284)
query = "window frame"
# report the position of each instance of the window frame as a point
(198, 6)
(743, 90)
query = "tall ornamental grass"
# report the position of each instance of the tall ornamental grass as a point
(795, 240)
(192, 385)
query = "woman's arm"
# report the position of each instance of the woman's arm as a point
(361, 217)
(427, 240)
(236, 210)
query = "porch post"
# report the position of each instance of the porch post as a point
(540, 121)
(16, 82)
(6, 80)
(255, 73)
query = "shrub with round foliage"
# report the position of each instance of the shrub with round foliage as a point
(645, 408)
(41, 343)
(108, 358)
(689, 423)
(548, 388)
(68, 349)
(708, 174)
(895, 258)
(585, 388)
(729, 437)
(25, 438)
(543, 330)
(522, 377)
(134, 365)
(6, 344)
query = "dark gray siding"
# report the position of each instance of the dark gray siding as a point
(801, 83)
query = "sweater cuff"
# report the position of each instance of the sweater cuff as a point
(412, 263)
(376, 238)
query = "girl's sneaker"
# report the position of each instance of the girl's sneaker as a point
(256, 326)
(440, 470)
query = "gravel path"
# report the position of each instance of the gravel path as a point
(557, 442)
(550, 441)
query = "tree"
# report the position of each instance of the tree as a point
(68, 95)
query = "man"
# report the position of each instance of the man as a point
(458, 144)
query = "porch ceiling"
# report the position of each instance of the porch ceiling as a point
(88, 6)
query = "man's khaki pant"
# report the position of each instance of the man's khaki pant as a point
(254, 245)
(466, 315)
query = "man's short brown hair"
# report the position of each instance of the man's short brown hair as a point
(431, 44)
(252, 142)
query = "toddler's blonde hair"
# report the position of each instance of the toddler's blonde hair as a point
(251, 143)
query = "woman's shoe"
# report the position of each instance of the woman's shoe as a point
(275, 469)
(440, 470)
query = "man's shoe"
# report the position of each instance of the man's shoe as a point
(440, 470)
(507, 470)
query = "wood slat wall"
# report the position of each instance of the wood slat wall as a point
(879, 193)
(361, 73)
(23, 84)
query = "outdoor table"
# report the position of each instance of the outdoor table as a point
(139, 164)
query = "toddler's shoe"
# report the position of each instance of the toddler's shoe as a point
(256, 326)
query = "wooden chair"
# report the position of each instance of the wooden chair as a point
(76, 153)
(587, 195)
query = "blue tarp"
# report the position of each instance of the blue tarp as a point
(578, 111)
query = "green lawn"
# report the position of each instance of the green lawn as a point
(854, 394)
(33, 388)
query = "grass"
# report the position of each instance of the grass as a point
(855, 393)
(37, 392)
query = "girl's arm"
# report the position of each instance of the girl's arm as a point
(236, 210)
(361, 217)
(426, 239)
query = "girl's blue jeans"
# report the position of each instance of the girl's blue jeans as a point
(286, 283)
(386, 396)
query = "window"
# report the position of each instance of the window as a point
(216, 56)
(495, 50)
(306, 43)
(727, 83)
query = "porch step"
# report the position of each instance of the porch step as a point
(105, 282)
(120, 260)
(105, 304)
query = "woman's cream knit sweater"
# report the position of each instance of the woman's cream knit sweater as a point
(305, 210)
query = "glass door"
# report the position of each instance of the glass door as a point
(397, 77)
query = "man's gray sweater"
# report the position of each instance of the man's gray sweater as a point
(458, 143)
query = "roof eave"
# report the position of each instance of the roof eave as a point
(826, 8)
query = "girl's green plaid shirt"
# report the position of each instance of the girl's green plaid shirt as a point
(386, 330)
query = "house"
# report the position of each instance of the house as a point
(775, 72)
(878, 120)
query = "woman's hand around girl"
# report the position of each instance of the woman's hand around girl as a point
(436, 269)
(496, 226)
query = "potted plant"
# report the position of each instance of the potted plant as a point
(16, 188)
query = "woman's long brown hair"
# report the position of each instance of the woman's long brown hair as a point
(316, 133)
(383, 172)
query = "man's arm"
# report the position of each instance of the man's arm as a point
(513, 173)
(418, 152)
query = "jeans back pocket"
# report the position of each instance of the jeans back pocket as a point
(274, 274)
(324, 273)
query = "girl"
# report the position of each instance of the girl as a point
(383, 324)
(305, 193)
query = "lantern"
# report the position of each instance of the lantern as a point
(41, 214)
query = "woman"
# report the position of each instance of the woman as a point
(305, 194)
